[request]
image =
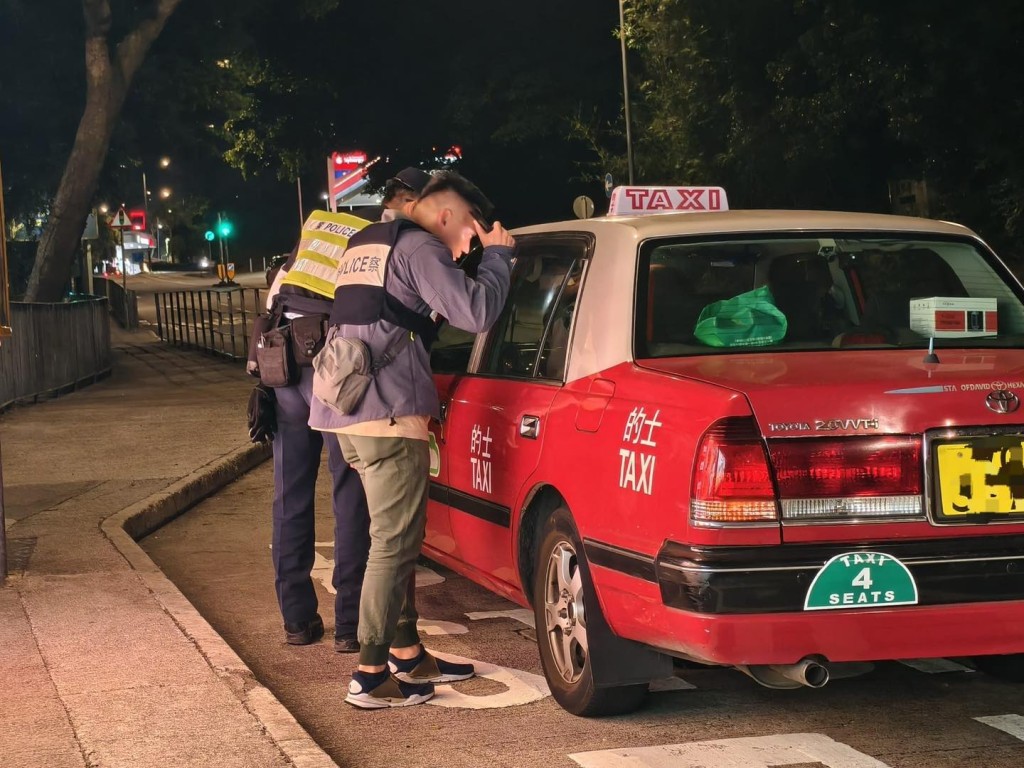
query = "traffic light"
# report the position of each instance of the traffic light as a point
(209, 235)
(225, 228)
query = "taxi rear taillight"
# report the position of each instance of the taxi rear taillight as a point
(848, 477)
(809, 479)
(732, 482)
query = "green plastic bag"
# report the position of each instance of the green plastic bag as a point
(748, 320)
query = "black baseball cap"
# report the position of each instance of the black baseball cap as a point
(413, 178)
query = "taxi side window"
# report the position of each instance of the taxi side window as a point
(451, 350)
(531, 336)
(555, 348)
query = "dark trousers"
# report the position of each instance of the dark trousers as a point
(297, 450)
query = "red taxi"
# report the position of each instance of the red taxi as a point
(780, 441)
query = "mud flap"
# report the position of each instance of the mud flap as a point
(616, 661)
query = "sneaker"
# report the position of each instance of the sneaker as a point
(378, 690)
(304, 633)
(346, 644)
(427, 668)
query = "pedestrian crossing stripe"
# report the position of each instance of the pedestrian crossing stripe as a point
(1011, 724)
(749, 752)
(935, 666)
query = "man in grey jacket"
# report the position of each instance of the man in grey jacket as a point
(390, 279)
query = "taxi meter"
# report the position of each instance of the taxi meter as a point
(632, 201)
(948, 317)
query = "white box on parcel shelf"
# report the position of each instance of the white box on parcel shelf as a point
(947, 317)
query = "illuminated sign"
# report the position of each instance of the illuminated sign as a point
(346, 174)
(632, 201)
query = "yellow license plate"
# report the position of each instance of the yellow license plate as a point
(981, 476)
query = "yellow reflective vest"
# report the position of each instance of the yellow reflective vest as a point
(324, 239)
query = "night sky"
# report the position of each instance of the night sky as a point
(403, 79)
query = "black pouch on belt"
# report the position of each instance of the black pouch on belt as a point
(307, 335)
(260, 326)
(274, 358)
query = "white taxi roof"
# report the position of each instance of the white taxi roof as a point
(724, 222)
(604, 327)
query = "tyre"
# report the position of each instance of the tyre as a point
(1009, 667)
(564, 618)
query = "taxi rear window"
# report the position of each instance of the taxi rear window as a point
(821, 291)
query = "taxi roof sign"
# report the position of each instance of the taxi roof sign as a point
(634, 201)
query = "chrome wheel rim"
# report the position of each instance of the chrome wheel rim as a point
(565, 619)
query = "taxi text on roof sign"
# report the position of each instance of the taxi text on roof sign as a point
(632, 201)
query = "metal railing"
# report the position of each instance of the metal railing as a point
(124, 304)
(55, 348)
(216, 320)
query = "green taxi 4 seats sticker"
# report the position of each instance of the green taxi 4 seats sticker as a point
(861, 580)
(435, 456)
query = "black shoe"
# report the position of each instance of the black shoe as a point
(379, 690)
(346, 644)
(305, 633)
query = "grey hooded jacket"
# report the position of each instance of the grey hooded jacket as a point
(421, 274)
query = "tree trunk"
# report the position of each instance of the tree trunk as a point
(56, 251)
(107, 81)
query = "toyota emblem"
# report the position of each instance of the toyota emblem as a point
(1002, 401)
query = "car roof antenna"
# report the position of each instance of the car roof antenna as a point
(931, 357)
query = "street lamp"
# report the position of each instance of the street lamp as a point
(625, 90)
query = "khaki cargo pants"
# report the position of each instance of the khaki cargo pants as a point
(395, 474)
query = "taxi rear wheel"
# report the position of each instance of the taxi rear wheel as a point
(1009, 667)
(561, 612)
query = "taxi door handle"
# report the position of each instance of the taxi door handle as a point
(529, 426)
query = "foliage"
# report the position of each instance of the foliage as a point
(821, 103)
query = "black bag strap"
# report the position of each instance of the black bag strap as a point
(393, 350)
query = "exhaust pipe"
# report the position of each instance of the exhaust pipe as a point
(806, 672)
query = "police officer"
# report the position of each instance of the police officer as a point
(305, 288)
(390, 280)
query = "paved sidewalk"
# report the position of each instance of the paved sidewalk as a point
(102, 661)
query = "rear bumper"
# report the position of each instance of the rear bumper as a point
(744, 605)
(738, 580)
(977, 629)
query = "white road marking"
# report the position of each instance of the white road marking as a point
(425, 577)
(323, 571)
(935, 666)
(753, 752)
(522, 615)
(671, 684)
(1011, 724)
(521, 687)
(438, 627)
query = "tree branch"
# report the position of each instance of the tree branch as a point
(97, 18)
(132, 49)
